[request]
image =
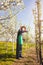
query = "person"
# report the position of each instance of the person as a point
(20, 42)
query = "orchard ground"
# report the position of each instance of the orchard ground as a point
(9, 57)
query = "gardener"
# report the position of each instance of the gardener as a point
(20, 42)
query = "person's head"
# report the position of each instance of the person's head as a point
(23, 28)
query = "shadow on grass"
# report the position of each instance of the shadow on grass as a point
(7, 57)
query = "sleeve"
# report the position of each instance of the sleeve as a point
(23, 31)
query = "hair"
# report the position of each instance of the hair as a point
(21, 28)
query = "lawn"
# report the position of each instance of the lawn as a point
(9, 57)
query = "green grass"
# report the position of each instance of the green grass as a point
(9, 57)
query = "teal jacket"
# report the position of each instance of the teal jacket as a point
(19, 37)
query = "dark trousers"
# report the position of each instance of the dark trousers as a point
(18, 50)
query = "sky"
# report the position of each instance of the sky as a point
(26, 16)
